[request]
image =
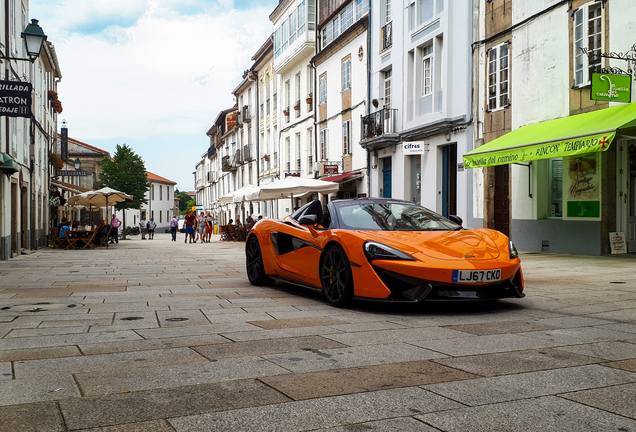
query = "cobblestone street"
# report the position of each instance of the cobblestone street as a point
(162, 336)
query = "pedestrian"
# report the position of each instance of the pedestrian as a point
(190, 220)
(174, 226)
(114, 231)
(209, 225)
(143, 227)
(201, 229)
(151, 228)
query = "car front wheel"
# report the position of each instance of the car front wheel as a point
(335, 275)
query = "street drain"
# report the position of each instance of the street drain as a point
(177, 319)
(618, 282)
(131, 318)
(39, 307)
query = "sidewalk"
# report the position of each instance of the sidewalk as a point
(160, 336)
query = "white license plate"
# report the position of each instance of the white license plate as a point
(476, 276)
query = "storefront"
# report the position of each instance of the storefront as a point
(572, 181)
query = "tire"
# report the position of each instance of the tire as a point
(254, 264)
(336, 277)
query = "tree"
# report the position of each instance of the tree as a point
(126, 172)
(184, 199)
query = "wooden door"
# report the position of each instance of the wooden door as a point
(502, 199)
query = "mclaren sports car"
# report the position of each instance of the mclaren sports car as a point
(383, 249)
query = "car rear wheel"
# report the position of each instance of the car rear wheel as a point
(254, 263)
(335, 275)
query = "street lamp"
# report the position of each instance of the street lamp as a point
(8, 165)
(78, 164)
(34, 37)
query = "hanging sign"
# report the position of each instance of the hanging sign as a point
(615, 88)
(15, 99)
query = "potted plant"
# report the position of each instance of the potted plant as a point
(297, 106)
(286, 111)
(266, 157)
(56, 161)
(56, 104)
(309, 99)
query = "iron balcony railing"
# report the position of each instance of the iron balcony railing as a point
(248, 155)
(211, 152)
(246, 114)
(228, 164)
(386, 34)
(379, 123)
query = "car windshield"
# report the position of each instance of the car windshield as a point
(391, 216)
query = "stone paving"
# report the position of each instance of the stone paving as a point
(163, 336)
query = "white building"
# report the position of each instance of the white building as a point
(342, 74)
(419, 123)
(532, 72)
(160, 205)
(290, 123)
(26, 141)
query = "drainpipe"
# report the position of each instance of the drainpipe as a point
(368, 107)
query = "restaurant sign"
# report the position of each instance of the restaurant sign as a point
(71, 173)
(330, 169)
(615, 88)
(15, 99)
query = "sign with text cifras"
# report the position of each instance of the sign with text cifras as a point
(15, 99)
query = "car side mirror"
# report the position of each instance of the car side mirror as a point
(456, 219)
(308, 220)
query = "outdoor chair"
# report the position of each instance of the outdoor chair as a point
(55, 238)
(90, 242)
(231, 232)
(69, 243)
(224, 233)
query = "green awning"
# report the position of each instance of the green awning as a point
(569, 136)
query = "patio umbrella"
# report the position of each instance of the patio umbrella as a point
(287, 188)
(243, 193)
(106, 196)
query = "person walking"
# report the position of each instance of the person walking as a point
(114, 232)
(190, 220)
(209, 225)
(151, 228)
(143, 227)
(174, 226)
(201, 229)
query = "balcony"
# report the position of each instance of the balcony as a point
(246, 115)
(211, 152)
(238, 158)
(248, 154)
(228, 165)
(213, 177)
(239, 119)
(386, 36)
(200, 184)
(379, 128)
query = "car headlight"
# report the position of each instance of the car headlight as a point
(513, 250)
(374, 250)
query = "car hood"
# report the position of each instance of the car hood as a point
(476, 244)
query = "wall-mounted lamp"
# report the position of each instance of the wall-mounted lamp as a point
(78, 164)
(34, 37)
(8, 165)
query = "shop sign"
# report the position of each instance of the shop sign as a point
(617, 243)
(330, 169)
(15, 99)
(288, 174)
(413, 147)
(615, 88)
(362, 195)
(582, 186)
(71, 173)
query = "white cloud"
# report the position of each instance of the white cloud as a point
(158, 68)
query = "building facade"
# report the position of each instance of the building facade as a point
(531, 71)
(160, 205)
(26, 142)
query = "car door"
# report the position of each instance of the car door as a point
(298, 252)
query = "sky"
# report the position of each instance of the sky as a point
(152, 74)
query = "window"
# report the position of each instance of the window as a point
(362, 7)
(346, 18)
(427, 61)
(289, 154)
(301, 19)
(587, 34)
(346, 75)
(346, 137)
(498, 77)
(292, 27)
(336, 27)
(298, 151)
(387, 11)
(425, 11)
(555, 173)
(160, 192)
(323, 144)
(311, 14)
(160, 217)
(387, 88)
(323, 89)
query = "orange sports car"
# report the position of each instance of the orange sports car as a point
(383, 249)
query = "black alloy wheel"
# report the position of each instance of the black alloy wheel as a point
(335, 275)
(254, 264)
